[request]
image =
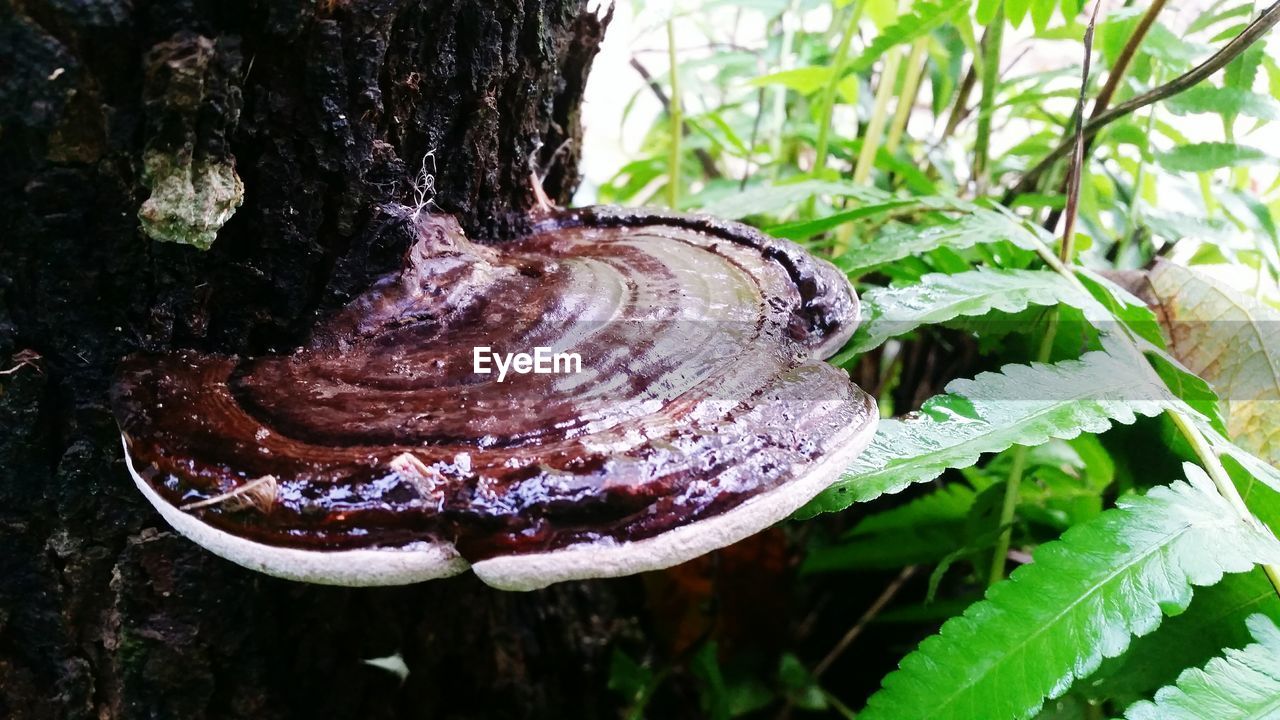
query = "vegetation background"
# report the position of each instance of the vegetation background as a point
(1071, 326)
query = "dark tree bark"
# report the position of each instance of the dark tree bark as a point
(123, 123)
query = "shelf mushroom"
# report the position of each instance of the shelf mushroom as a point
(699, 410)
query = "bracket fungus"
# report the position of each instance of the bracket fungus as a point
(376, 454)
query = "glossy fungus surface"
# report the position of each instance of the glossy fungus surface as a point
(701, 411)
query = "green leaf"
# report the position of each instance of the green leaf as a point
(728, 133)
(633, 681)
(1042, 13)
(1210, 17)
(769, 199)
(804, 80)
(1225, 101)
(1251, 468)
(1142, 322)
(808, 228)
(1214, 620)
(1189, 387)
(921, 531)
(705, 665)
(977, 226)
(881, 14)
(1241, 683)
(1081, 600)
(1015, 11)
(1273, 75)
(1169, 47)
(1113, 31)
(890, 312)
(800, 686)
(1174, 225)
(924, 18)
(1123, 305)
(1240, 72)
(922, 544)
(986, 11)
(1022, 405)
(949, 503)
(1200, 157)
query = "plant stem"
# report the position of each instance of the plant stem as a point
(871, 138)
(1014, 483)
(707, 162)
(1239, 176)
(779, 118)
(879, 117)
(1139, 177)
(876, 123)
(676, 116)
(1011, 488)
(990, 82)
(1205, 181)
(910, 86)
(828, 101)
(1062, 260)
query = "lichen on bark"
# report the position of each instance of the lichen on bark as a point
(192, 100)
(189, 199)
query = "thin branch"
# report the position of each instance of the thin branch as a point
(1077, 162)
(1123, 60)
(890, 591)
(1247, 37)
(1114, 76)
(960, 108)
(886, 596)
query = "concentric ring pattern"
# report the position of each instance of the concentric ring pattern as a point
(700, 386)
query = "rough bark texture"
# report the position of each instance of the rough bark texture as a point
(121, 122)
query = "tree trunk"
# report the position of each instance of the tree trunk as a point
(130, 134)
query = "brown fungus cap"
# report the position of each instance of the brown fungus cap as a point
(376, 454)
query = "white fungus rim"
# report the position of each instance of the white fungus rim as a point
(427, 561)
(350, 568)
(615, 559)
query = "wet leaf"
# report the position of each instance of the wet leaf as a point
(1081, 600)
